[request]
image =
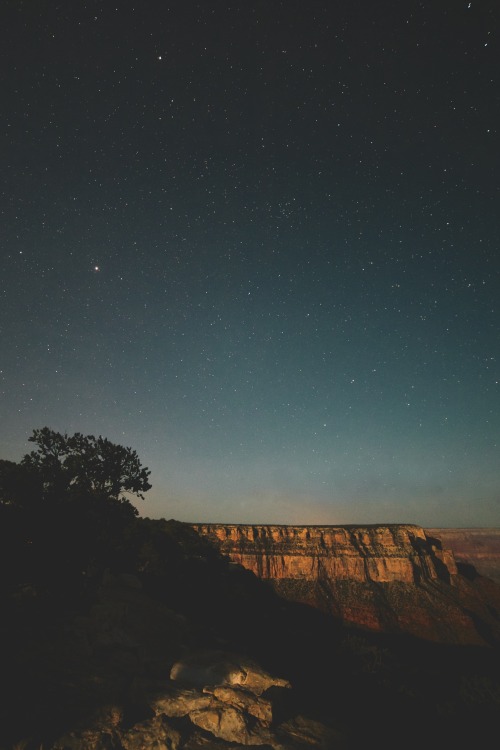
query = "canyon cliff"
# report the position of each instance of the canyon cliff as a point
(396, 578)
(479, 547)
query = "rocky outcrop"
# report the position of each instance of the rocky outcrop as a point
(386, 578)
(477, 547)
(213, 699)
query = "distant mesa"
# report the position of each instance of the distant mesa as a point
(397, 578)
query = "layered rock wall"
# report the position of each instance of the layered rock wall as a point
(395, 578)
(350, 553)
(479, 547)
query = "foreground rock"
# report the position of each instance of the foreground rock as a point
(217, 667)
(213, 699)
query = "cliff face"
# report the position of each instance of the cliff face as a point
(351, 553)
(477, 547)
(389, 578)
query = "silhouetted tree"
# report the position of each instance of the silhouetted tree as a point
(64, 511)
(86, 465)
(19, 484)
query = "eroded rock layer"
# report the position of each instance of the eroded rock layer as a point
(381, 554)
(390, 578)
(479, 547)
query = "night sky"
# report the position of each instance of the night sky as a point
(258, 242)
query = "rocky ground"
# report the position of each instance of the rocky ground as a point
(198, 653)
(129, 672)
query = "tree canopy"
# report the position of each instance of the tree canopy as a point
(65, 510)
(86, 464)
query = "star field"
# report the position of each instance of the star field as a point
(258, 243)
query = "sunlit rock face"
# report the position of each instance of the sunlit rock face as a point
(479, 547)
(387, 578)
(352, 553)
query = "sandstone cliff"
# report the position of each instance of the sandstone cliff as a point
(477, 546)
(355, 553)
(389, 578)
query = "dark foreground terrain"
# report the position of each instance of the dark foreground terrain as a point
(173, 646)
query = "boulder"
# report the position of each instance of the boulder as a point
(180, 702)
(245, 700)
(204, 668)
